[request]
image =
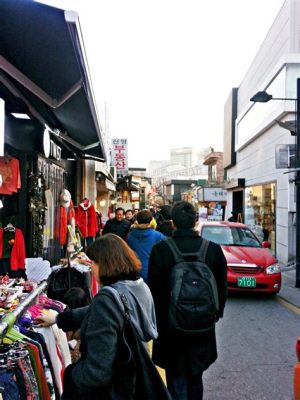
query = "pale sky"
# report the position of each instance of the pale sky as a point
(166, 67)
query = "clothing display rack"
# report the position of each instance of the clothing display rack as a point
(9, 320)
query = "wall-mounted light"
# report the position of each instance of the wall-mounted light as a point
(102, 203)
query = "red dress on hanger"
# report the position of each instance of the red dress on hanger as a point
(86, 219)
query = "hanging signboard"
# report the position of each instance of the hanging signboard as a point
(119, 155)
(212, 194)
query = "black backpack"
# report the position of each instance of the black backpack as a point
(194, 301)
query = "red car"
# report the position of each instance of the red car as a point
(250, 265)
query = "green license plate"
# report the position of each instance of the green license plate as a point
(244, 281)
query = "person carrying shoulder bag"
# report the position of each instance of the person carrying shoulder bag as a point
(114, 362)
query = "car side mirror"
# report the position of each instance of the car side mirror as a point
(266, 244)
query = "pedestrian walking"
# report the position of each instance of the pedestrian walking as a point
(142, 238)
(105, 370)
(117, 225)
(129, 216)
(184, 356)
(164, 221)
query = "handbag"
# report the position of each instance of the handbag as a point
(148, 383)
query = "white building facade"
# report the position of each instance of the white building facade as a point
(262, 194)
(188, 156)
(185, 163)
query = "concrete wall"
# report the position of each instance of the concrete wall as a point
(282, 38)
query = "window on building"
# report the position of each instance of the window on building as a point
(214, 173)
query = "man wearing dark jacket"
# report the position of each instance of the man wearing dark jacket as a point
(164, 222)
(118, 225)
(183, 358)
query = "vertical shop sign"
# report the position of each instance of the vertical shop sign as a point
(119, 155)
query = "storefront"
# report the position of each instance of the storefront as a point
(48, 131)
(49, 122)
(260, 211)
(44, 173)
(211, 202)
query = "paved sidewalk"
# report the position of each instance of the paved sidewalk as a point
(288, 291)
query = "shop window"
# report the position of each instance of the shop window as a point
(260, 211)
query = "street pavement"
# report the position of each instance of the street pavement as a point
(288, 291)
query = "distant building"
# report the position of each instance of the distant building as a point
(185, 163)
(173, 189)
(156, 164)
(137, 172)
(188, 156)
(133, 189)
(214, 161)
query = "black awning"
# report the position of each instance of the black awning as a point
(43, 65)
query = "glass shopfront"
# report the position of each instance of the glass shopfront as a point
(260, 207)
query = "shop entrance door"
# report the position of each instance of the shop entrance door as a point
(238, 203)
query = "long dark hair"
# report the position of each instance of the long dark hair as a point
(115, 258)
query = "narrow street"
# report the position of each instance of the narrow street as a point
(256, 345)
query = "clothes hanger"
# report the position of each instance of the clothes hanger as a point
(6, 341)
(9, 227)
(12, 333)
(15, 335)
(76, 252)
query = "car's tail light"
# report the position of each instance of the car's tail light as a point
(298, 348)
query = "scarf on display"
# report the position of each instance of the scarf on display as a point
(65, 219)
